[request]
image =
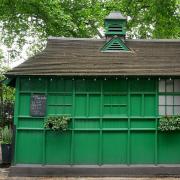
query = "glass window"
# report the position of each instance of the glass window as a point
(169, 110)
(162, 110)
(169, 97)
(162, 86)
(177, 85)
(176, 100)
(169, 100)
(162, 100)
(177, 110)
(169, 86)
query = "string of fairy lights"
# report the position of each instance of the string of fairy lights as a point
(105, 78)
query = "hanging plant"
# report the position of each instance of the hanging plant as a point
(59, 123)
(169, 123)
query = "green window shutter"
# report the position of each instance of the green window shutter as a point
(115, 44)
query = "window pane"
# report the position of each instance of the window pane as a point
(169, 100)
(162, 86)
(169, 110)
(169, 86)
(177, 85)
(176, 100)
(161, 100)
(161, 110)
(176, 110)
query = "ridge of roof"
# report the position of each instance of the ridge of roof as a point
(128, 40)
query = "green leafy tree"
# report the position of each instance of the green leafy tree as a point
(82, 18)
(6, 92)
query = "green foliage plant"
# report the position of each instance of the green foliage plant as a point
(169, 123)
(59, 122)
(6, 135)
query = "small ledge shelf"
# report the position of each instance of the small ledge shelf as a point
(31, 117)
(143, 129)
(30, 129)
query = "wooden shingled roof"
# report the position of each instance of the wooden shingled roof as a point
(83, 57)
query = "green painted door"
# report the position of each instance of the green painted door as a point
(114, 121)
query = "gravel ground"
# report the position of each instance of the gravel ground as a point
(4, 176)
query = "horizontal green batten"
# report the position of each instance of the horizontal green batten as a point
(115, 129)
(115, 104)
(59, 104)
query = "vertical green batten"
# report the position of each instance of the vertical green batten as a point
(16, 113)
(44, 131)
(72, 131)
(101, 116)
(129, 125)
(142, 106)
(156, 125)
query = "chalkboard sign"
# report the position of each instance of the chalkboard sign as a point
(38, 105)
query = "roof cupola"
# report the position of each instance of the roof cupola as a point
(115, 25)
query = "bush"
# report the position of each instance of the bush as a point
(6, 135)
(169, 123)
(57, 122)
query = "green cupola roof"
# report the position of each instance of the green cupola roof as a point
(115, 15)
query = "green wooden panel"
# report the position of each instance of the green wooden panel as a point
(149, 105)
(68, 85)
(32, 84)
(93, 85)
(115, 123)
(31, 123)
(86, 147)
(86, 123)
(38, 84)
(24, 105)
(142, 85)
(118, 111)
(113, 85)
(25, 84)
(80, 85)
(56, 85)
(29, 147)
(149, 85)
(80, 105)
(114, 148)
(168, 147)
(118, 99)
(136, 85)
(115, 105)
(59, 104)
(58, 147)
(143, 123)
(55, 99)
(142, 147)
(94, 105)
(67, 110)
(136, 105)
(52, 110)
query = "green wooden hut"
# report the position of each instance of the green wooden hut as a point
(114, 90)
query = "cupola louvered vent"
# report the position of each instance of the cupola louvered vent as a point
(115, 44)
(115, 28)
